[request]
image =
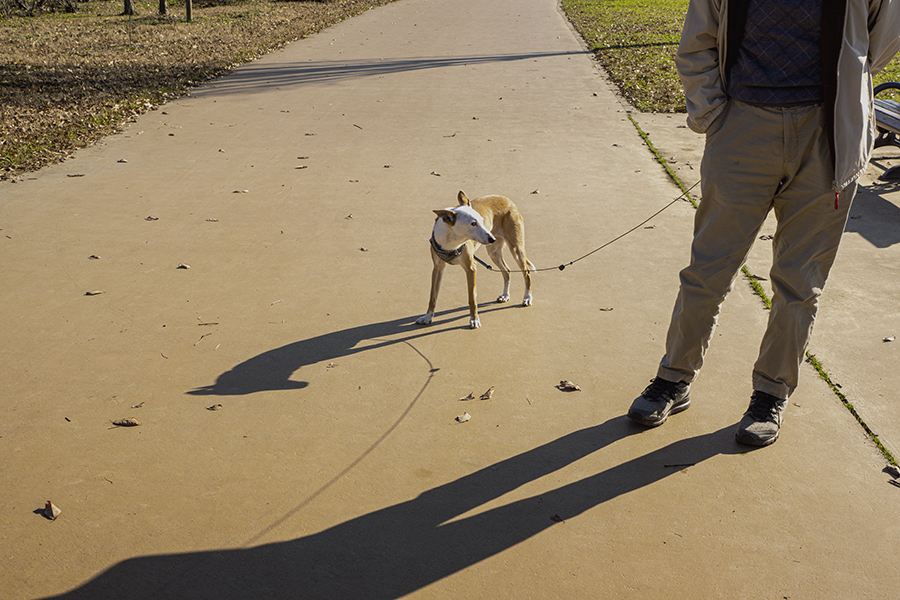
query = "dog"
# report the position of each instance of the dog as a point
(493, 221)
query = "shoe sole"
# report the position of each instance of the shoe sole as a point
(749, 440)
(676, 408)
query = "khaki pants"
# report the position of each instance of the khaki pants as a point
(755, 160)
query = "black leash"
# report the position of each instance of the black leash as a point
(612, 241)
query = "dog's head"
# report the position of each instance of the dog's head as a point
(465, 221)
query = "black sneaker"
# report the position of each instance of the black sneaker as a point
(661, 399)
(762, 421)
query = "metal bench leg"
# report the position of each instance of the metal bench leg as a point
(892, 174)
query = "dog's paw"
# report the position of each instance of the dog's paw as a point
(474, 323)
(527, 301)
(424, 320)
(502, 298)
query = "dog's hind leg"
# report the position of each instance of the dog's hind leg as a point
(525, 265)
(495, 251)
(514, 236)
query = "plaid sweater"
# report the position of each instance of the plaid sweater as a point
(779, 61)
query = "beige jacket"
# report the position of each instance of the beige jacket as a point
(871, 39)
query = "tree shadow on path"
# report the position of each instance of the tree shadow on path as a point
(265, 75)
(402, 548)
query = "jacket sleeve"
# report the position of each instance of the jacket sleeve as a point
(697, 61)
(884, 32)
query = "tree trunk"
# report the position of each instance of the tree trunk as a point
(187, 10)
(129, 8)
(162, 7)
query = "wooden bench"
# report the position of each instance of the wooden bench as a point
(887, 123)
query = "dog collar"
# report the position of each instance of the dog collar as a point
(446, 255)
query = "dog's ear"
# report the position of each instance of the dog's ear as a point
(463, 199)
(448, 216)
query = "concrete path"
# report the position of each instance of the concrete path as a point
(299, 190)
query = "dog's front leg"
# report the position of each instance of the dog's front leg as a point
(436, 275)
(471, 276)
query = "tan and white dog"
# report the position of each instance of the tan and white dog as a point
(490, 220)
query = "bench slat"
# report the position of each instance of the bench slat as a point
(887, 115)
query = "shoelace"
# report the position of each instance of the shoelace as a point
(661, 390)
(764, 407)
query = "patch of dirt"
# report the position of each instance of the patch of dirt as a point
(67, 80)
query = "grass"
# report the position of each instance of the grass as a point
(67, 80)
(811, 359)
(636, 41)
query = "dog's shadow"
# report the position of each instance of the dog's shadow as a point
(272, 370)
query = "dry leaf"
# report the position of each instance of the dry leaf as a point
(126, 423)
(152, 218)
(51, 511)
(890, 338)
(487, 395)
(893, 471)
(93, 293)
(471, 396)
(214, 407)
(183, 266)
(568, 386)
(138, 405)
(463, 417)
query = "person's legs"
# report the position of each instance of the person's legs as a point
(803, 251)
(741, 172)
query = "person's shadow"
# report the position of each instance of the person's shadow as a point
(402, 548)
